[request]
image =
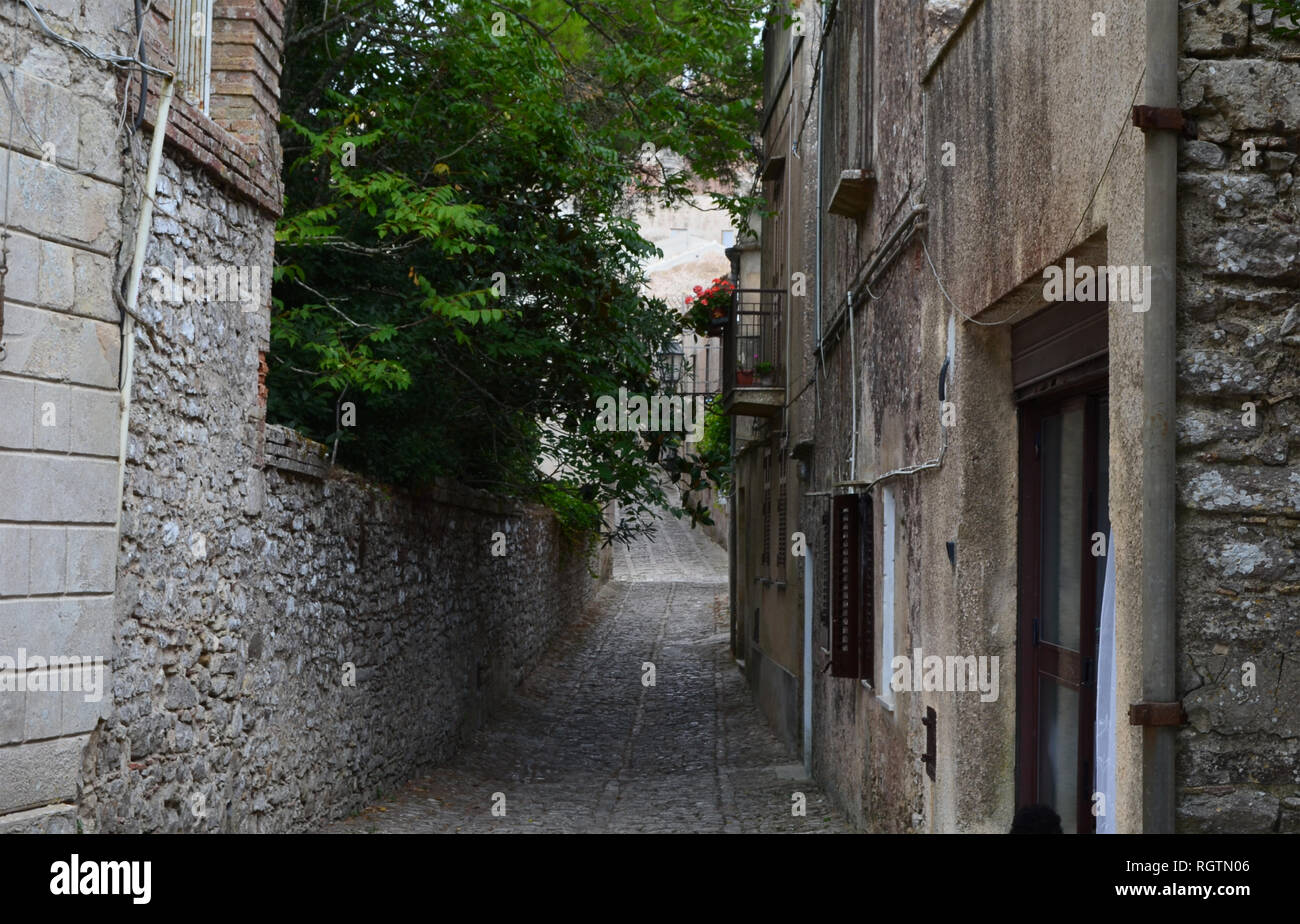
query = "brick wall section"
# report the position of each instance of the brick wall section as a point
(239, 142)
(1239, 491)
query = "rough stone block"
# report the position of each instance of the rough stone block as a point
(73, 625)
(1236, 811)
(62, 348)
(51, 418)
(1238, 489)
(43, 488)
(40, 773)
(81, 711)
(1251, 94)
(95, 422)
(98, 148)
(60, 818)
(49, 551)
(11, 710)
(56, 288)
(15, 561)
(16, 397)
(1213, 30)
(24, 263)
(57, 204)
(62, 118)
(42, 709)
(93, 281)
(92, 557)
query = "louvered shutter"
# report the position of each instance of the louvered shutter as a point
(852, 590)
(844, 586)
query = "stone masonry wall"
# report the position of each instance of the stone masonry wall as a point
(1239, 425)
(58, 393)
(246, 584)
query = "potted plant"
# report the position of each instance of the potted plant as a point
(764, 372)
(709, 309)
(745, 371)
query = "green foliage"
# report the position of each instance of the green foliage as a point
(714, 447)
(456, 255)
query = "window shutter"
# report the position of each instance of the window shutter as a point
(782, 526)
(844, 586)
(852, 590)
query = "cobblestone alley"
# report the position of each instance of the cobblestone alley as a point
(584, 746)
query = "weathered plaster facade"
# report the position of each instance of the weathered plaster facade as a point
(999, 134)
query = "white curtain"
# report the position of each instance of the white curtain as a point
(1104, 758)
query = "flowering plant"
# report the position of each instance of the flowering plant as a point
(711, 307)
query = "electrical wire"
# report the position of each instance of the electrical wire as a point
(116, 60)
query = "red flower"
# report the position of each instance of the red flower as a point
(688, 299)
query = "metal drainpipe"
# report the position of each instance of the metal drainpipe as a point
(144, 222)
(1158, 399)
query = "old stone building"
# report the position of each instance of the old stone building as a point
(259, 632)
(1050, 522)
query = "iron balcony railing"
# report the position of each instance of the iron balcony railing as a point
(752, 341)
(702, 370)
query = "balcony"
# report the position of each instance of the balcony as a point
(753, 368)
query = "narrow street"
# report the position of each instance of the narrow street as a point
(584, 746)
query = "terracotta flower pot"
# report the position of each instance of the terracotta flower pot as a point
(744, 379)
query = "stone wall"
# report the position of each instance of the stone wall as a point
(58, 394)
(231, 709)
(1239, 425)
(247, 584)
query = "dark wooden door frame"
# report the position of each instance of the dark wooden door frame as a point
(1036, 657)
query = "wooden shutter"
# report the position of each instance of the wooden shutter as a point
(782, 525)
(852, 603)
(844, 586)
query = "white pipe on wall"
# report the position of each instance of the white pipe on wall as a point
(143, 224)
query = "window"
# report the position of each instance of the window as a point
(191, 38)
(888, 523)
(852, 571)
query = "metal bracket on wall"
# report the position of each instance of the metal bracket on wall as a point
(1163, 118)
(930, 721)
(1157, 714)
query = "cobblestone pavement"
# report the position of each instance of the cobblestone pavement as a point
(584, 746)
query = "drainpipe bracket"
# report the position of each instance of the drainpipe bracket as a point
(1163, 118)
(1157, 714)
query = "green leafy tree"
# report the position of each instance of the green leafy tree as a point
(457, 256)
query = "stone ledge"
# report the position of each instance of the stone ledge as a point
(59, 818)
(290, 451)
